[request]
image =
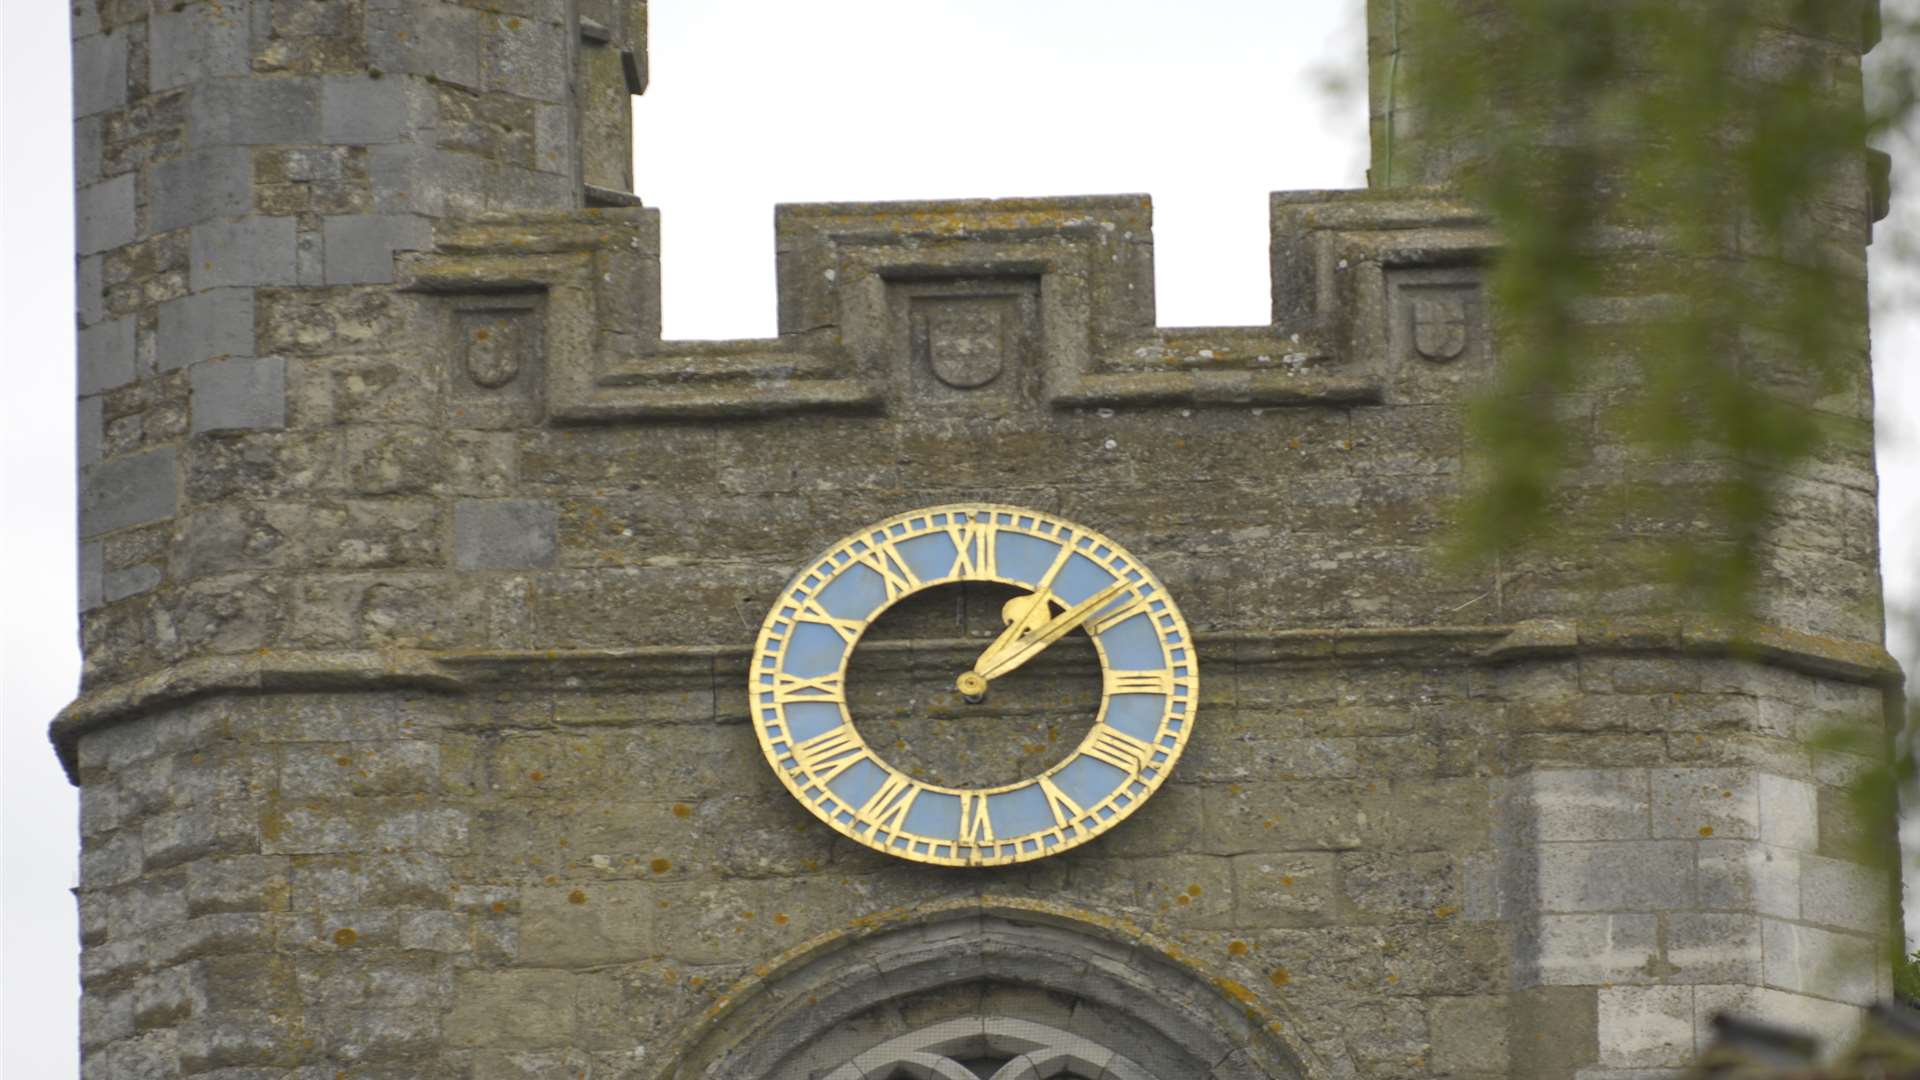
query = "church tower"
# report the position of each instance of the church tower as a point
(975, 679)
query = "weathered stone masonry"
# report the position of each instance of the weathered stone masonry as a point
(419, 576)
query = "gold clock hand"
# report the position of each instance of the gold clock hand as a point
(1022, 615)
(1054, 630)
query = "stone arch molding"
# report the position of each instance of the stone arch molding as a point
(1011, 990)
(1035, 1052)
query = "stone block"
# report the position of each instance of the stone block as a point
(504, 534)
(239, 395)
(1412, 884)
(211, 325)
(448, 45)
(106, 352)
(1789, 812)
(127, 491)
(1740, 875)
(93, 576)
(239, 883)
(1834, 892)
(1590, 950)
(1588, 804)
(99, 73)
(1617, 876)
(524, 57)
(1712, 948)
(203, 185)
(588, 924)
(357, 111)
(1705, 803)
(89, 429)
(1469, 1034)
(1806, 960)
(131, 581)
(553, 138)
(359, 248)
(1646, 1026)
(255, 112)
(89, 289)
(104, 215)
(513, 1008)
(203, 41)
(252, 251)
(310, 256)
(368, 881)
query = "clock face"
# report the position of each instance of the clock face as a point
(1071, 580)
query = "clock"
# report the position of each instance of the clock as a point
(1072, 580)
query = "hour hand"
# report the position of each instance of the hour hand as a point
(998, 661)
(1023, 615)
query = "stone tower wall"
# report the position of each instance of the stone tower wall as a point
(420, 576)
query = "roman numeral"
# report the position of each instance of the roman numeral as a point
(791, 688)
(1119, 749)
(894, 572)
(850, 629)
(976, 827)
(974, 563)
(1139, 682)
(815, 754)
(1065, 810)
(887, 810)
(1114, 616)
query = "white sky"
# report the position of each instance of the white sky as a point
(753, 102)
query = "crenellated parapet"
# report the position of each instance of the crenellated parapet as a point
(961, 308)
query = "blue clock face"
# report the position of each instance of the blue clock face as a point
(1072, 580)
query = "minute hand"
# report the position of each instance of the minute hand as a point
(1049, 633)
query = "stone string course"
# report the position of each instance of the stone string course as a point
(418, 573)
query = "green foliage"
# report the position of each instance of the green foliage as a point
(1906, 979)
(1681, 277)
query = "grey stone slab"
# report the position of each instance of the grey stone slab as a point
(86, 18)
(1589, 804)
(449, 44)
(360, 247)
(127, 491)
(87, 149)
(504, 534)
(99, 73)
(310, 257)
(410, 178)
(358, 110)
(252, 251)
(132, 581)
(1618, 876)
(89, 432)
(203, 185)
(210, 325)
(553, 139)
(93, 560)
(104, 215)
(89, 289)
(1705, 802)
(199, 42)
(106, 356)
(239, 395)
(1835, 892)
(249, 112)
(526, 57)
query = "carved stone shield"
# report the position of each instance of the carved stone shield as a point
(966, 342)
(494, 344)
(1440, 327)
